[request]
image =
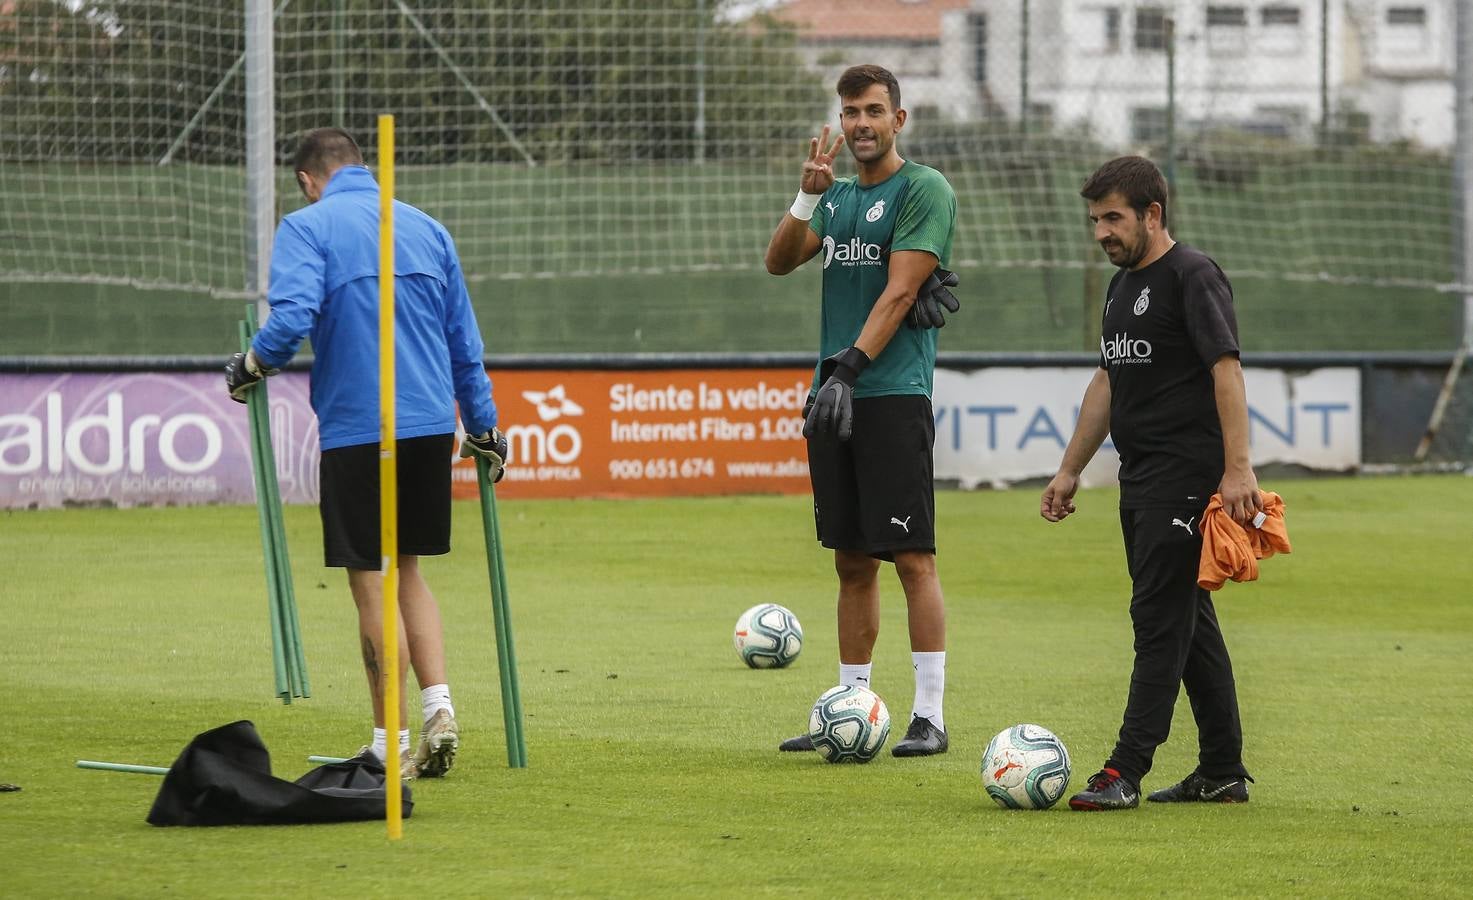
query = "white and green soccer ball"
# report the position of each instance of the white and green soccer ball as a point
(768, 636)
(1025, 767)
(849, 724)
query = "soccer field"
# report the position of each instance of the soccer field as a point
(652, 763)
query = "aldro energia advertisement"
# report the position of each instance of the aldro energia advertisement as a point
(163, 438)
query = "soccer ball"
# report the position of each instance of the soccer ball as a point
(768, 636)
(1025, 767)
(849, 724)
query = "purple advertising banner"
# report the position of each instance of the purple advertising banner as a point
(131, 439)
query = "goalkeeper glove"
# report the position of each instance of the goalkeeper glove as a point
(832, 414)
(490, 446)
(243, 372)
(933, 296)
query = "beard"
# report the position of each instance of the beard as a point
(871, 153)
(1125, 255)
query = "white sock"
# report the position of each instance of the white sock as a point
(930, 685)
(856, 675)
(381, 742)
(435, 698)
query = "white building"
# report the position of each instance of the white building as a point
(1400, 62)
(1100, 66)
(904, 36)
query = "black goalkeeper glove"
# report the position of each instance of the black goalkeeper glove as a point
(242, 373)
(490, 446)
(832, 415)
(933, 296)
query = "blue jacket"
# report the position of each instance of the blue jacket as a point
(324, 284)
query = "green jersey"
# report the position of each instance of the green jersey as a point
(914, 209)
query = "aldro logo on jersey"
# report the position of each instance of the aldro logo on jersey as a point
(1122, 349)
(851, 253)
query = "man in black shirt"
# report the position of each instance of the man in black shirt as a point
(1169, 390)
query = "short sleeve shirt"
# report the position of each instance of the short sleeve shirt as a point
(1163, 328)
(861, 225)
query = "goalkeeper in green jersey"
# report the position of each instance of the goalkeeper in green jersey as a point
(883, 238)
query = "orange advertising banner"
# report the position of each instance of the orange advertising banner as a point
(655, 433)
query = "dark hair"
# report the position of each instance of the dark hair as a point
(1135, 178)
(324, 150)
(857, 79)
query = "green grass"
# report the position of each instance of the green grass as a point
(652, 763)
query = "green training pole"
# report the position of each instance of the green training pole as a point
(511, 649)
(290, 628)
(121, 767)
(285, 594)
(506, 658)
(263, 514)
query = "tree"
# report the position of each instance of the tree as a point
(614, 81)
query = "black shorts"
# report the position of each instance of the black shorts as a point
(875, 493)
(350, 498)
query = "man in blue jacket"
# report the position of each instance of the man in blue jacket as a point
(324, 285)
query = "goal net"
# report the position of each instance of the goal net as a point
(612, 170)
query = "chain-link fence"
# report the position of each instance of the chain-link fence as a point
(612, 170)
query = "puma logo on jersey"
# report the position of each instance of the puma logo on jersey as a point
(905, 524)
(1187, 524)
(833, 209)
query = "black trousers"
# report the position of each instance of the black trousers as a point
(1177, 642)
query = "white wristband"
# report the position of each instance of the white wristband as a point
(804, 205)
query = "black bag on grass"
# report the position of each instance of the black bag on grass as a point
(224, 778)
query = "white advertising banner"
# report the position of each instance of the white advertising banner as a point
(996, 426)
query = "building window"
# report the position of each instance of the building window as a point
(1227, 29)
(977, 32)
(1407, 15)
(1280, 16)
(1230, 16)
(1281, 33)
(1148, 124)
(1286, 122)
(1406, 31)
(1150, 28)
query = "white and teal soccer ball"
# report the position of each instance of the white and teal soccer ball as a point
(768, 636)
(849, 724)
(1025, 767)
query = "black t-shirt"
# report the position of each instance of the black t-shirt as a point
(1164, 327)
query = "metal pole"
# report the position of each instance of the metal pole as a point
(700, 123)
(1324, 72)
(260, 175)
(1462, 223)
(1463, 165)
(1023, 68)
(1170, 25)
(339, 66)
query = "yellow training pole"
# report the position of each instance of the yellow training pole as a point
(388, 476)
